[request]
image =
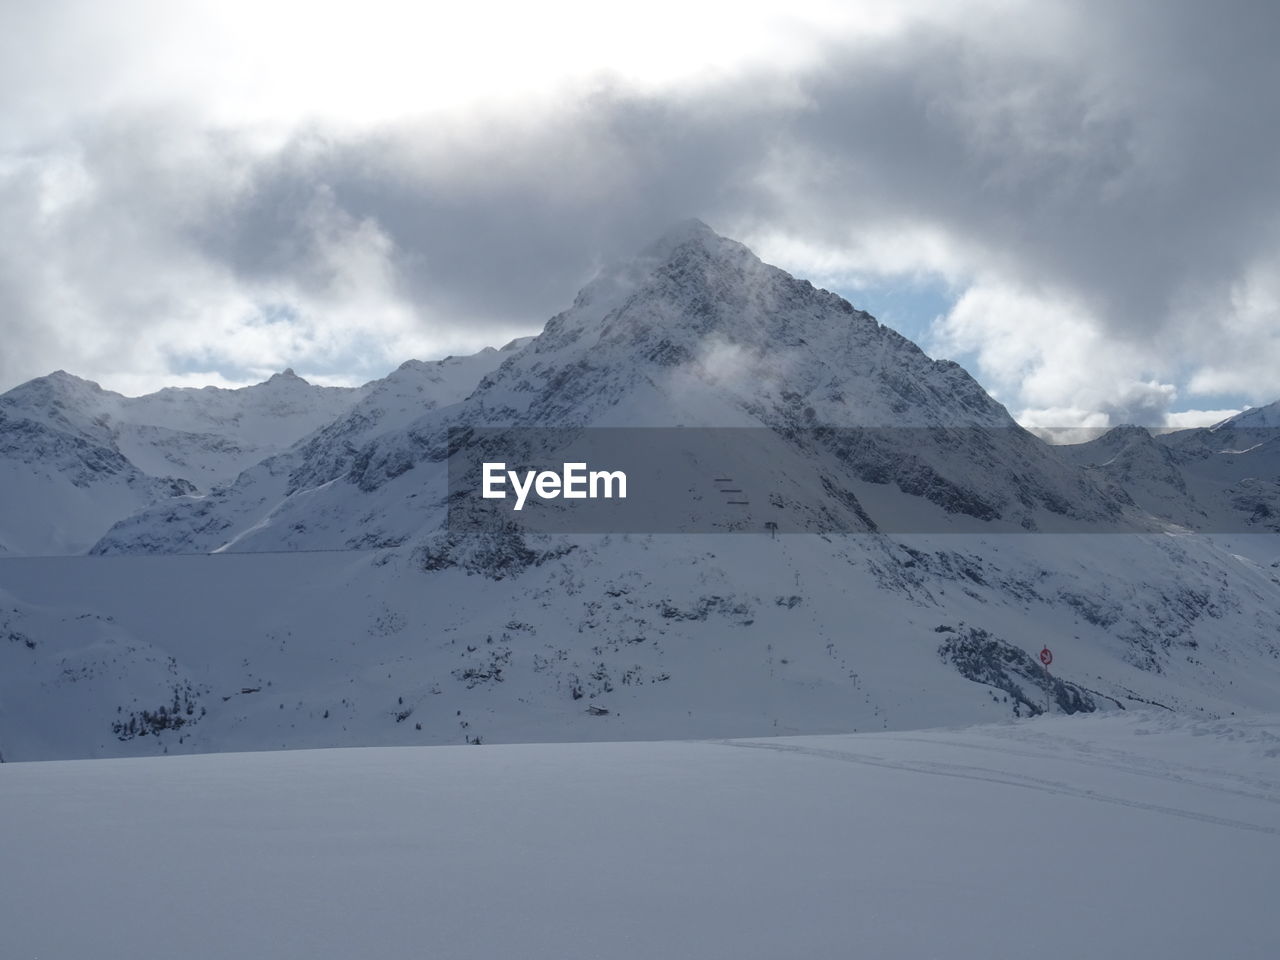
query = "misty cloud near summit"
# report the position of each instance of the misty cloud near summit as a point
(1093, 185)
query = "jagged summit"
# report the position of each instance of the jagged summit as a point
(1111, 440)
(704, 310)
(1129, 429)
(688, 240)
(1127, 453)
(697, 274)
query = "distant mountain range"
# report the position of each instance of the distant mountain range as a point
(80, 459)
(412, 632)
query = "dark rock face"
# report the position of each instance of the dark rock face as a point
(983, 658)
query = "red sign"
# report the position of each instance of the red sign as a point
(1046, 656)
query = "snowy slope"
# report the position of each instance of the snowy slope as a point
(60, 489)
(1126, 836)
(673, 636)
(392, 403)
(1143, 467)
(211, 434)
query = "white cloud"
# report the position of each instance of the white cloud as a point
(1050, 360)
(1243, 356)
(1186, 419)
(868, 253)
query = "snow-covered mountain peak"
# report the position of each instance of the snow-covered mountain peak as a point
(698, 322)
(1123, 437)
(286, 376)
(61, 379)
(1129, 430)
(1128, 450)
(56, 398)
(690, 242)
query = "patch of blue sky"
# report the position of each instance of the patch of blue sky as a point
(909, 306)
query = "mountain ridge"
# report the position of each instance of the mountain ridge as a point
(694, 331)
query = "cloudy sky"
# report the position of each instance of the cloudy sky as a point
(1080, 202)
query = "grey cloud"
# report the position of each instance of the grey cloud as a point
(1144, 404)
(1132, 174)
(514, 231)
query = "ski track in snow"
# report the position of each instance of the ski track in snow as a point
(1127, 763)
(1008, 778)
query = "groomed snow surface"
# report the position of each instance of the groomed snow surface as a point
(1127, 835)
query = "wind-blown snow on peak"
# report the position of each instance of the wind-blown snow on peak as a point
(624, 278)
(690, 228)
(696, 329)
